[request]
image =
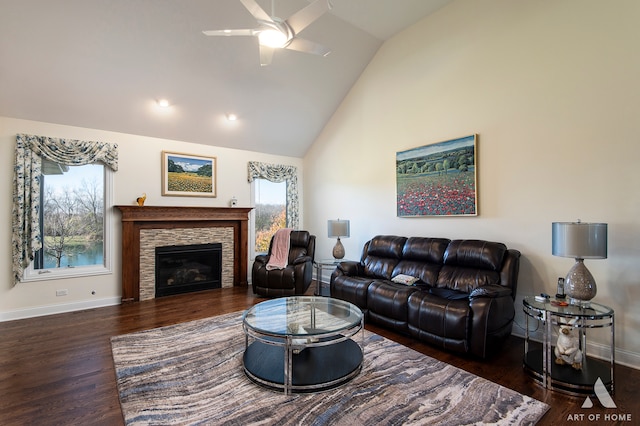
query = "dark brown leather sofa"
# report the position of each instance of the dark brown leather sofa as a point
(463, 300)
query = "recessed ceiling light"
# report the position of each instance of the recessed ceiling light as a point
(232, 117)
(163, 103)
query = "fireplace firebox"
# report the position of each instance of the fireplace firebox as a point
(187, 268)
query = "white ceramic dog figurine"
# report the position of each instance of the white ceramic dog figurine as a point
(567, 349)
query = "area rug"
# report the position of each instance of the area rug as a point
(191, 374)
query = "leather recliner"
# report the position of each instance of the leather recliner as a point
(463, 300)
(294, 279)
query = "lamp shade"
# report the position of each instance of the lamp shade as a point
(338, 228)
(579, 240)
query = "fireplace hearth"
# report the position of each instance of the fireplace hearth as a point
(188, 268)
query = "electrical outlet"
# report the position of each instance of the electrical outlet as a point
(62, 292)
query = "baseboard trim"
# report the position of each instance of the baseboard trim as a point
(58, 309)
(600, 351)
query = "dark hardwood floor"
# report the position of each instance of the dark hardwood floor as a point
(58, 370)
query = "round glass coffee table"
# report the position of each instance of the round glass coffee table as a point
(302, 343)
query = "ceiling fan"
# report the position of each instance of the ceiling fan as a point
(276, 33)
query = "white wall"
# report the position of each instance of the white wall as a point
(551, 88)
(139, 172)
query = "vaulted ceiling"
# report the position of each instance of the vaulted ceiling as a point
(105, 64)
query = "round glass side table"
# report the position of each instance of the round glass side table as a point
(322, 264)
(540, 362)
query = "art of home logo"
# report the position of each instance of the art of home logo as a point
(605, 399)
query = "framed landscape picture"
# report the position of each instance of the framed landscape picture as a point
(188, 175)
(438, 179)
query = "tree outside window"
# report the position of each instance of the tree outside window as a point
(270, 211)
(72, 221)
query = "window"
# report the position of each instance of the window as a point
(272, 184)
(35, 157)
(270, 211)
(73, 226)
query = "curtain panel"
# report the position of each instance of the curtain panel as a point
(30, 150)
(280, 173)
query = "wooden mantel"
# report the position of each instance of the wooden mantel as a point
(135, 218)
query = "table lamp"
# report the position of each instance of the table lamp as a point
(580, 241)
(338, 228)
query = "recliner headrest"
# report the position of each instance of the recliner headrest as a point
(475, 254)
(425, 249)
(389, 246)
(299, 238)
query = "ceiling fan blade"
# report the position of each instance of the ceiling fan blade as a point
(266, 54)
(230, 32)
(255, 9)
(304, 17)
(307, 46)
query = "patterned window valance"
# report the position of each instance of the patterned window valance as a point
(30, 151)
(280, 173)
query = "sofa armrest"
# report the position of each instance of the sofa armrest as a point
(510, 270)
(302, 259)
(351, 268)
(491, 290)
(262, 258)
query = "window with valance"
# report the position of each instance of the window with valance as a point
(280, 173)
(31, 152)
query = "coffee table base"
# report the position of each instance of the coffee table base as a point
(314, 368)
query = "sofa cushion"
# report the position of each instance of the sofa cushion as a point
(387, 303)
(475, 254)
(351, 289)
(445, 323)
(422, 258)
(429, 250)
(299, 242)
(469, 264)
(427, 273)
(382, 255)
(465, 279)
(447, 293)
(386, 246)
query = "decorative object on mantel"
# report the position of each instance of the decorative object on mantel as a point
(438, 179)
(580, 241)
(338, 228)
(140, 200)
(188, 175)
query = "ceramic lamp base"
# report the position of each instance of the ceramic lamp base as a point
(338, 250)
(580, 286)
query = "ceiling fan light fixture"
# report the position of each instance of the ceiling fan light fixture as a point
(277, 33)
(273, 38)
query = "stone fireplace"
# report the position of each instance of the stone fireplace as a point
(148, 227)
(187, 268)
(150, 239)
